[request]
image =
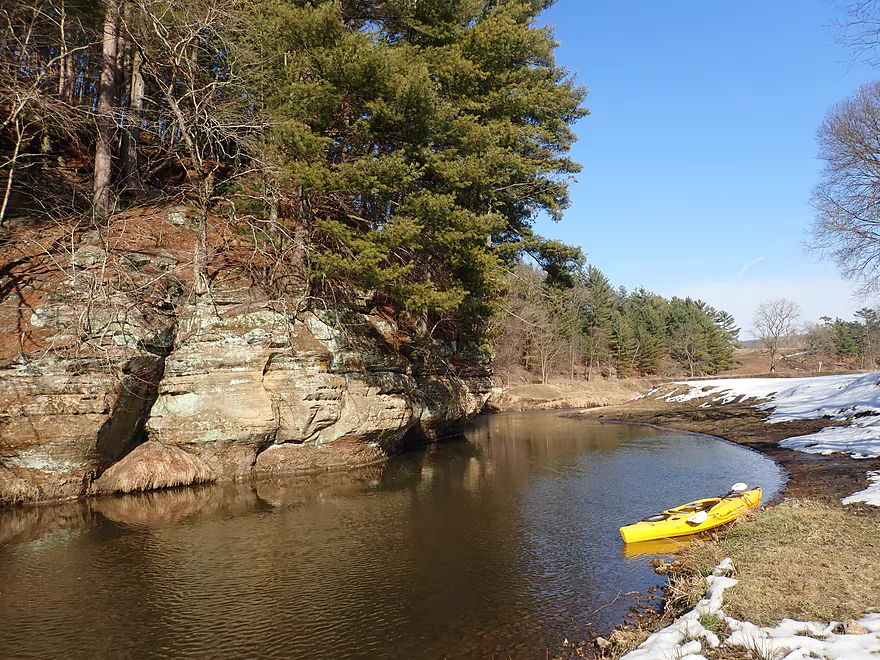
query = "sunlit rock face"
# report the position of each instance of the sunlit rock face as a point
(62, 423)
(249, 389)
(246, 389)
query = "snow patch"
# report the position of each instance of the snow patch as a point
(854, 398)
(790, 640)
(871, 495)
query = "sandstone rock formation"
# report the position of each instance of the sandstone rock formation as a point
(238, 387)
(62, 422)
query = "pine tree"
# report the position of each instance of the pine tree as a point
(598, 319)
(688, 335)
(869, 337)
(844, 337)
(648, 313)
(625, 344)
(417, 142)
(724, 340)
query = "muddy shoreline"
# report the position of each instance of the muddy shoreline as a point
(825, 478)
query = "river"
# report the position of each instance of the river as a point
(498, 545)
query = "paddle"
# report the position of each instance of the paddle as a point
(702, 516)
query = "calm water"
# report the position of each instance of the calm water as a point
(500, 545)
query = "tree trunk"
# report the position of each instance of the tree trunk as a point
(12, 161)
(69, 77)
(122, 57)
(131, 177)
(106, 103)
(65, 63)
(80, 89)
(200, 256)
(632, 364)
(204, 185)
(298, 282)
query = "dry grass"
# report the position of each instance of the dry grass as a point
(559, 394)
(154, 465)
(801, 560)
(622, 641)
(728, 653)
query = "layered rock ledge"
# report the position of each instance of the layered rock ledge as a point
(243, 388)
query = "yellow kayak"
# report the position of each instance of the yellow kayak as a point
(696, 516)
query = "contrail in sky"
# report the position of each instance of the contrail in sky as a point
(746, 267)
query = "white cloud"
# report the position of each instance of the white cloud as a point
(746, 266)
(817, 296)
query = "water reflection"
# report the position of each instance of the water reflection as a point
(656, 547)
(501, 545)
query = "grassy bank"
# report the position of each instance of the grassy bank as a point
(800, 560)
(560, 394)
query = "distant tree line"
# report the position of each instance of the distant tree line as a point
(856, 342)
(392, 152)
(829, 345)
(582, 327)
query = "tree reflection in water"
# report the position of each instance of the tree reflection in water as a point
(498, 544)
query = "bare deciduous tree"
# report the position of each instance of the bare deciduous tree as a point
(858, 28)
(33, 109)
(532, 336)
(846, 226)
(194, 67)
(775, 323)
(107, 100)
(847, 221)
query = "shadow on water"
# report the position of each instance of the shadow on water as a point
(500, 544)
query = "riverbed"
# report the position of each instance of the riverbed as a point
(497, 545)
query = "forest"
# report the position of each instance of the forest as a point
(388, 154)
(585, 329)
(854, 344)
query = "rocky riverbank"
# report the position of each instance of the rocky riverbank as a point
(232, 387)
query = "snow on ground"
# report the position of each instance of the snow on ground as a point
(855, 398)
(871, 494)
(790, 640)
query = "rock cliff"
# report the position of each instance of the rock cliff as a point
(231, 388)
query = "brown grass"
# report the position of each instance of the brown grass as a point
(756, 362)
(801, 560)
(622, 641)
(154, 465)
(560, 394)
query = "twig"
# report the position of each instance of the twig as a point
(616, 598)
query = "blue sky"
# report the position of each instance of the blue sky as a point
(699, 155)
